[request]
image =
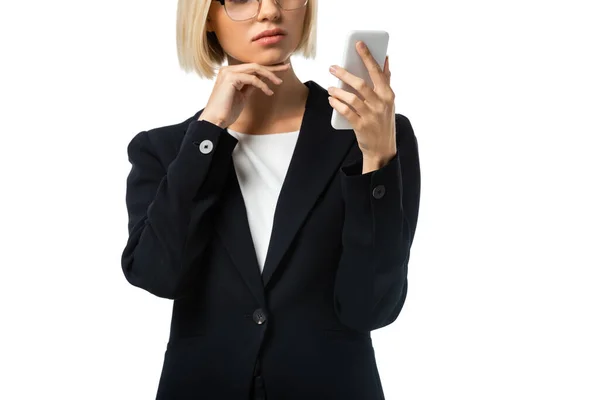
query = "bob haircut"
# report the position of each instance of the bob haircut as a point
(199, 51)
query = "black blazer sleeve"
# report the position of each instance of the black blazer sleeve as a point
(371, 281)
(163, 204)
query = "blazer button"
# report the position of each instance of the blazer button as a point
(259, 316)
(206, 146)
(379, 191)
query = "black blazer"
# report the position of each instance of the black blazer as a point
(335, 270)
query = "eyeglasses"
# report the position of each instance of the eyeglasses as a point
(241, 10)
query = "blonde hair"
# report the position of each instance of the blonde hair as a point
(199, 51)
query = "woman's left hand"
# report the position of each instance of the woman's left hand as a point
(373, 118)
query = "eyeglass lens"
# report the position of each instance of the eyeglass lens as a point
(245, 9)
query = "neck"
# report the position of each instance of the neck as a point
(286, 102)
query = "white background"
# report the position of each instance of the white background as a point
(504, 278)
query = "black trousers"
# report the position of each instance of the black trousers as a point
(258, 389)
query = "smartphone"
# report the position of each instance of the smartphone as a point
(377, 42)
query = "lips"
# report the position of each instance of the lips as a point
(270, 32)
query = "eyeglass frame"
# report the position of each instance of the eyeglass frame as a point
(258, 9)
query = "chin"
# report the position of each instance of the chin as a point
(273, 58)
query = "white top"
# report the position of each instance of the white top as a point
(261, 163)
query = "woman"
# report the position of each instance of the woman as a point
(282, 241)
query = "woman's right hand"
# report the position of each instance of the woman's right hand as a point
(232, 88)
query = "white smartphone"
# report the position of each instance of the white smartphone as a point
(377, 43)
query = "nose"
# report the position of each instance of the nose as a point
(269, 9)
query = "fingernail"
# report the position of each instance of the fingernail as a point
(332, 69)
(361, 45)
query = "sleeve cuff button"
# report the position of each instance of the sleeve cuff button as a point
(206, 146)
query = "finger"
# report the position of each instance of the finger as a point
(268, 74)
(248, 79)
(345, 110)
(253, 67)
(259, 83)
(349, 98)
(266, 71)
(279, 66)
(386, 69)
(357, 83)
(247, 90)
(375, 71)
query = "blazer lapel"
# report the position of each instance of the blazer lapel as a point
(317, 157)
